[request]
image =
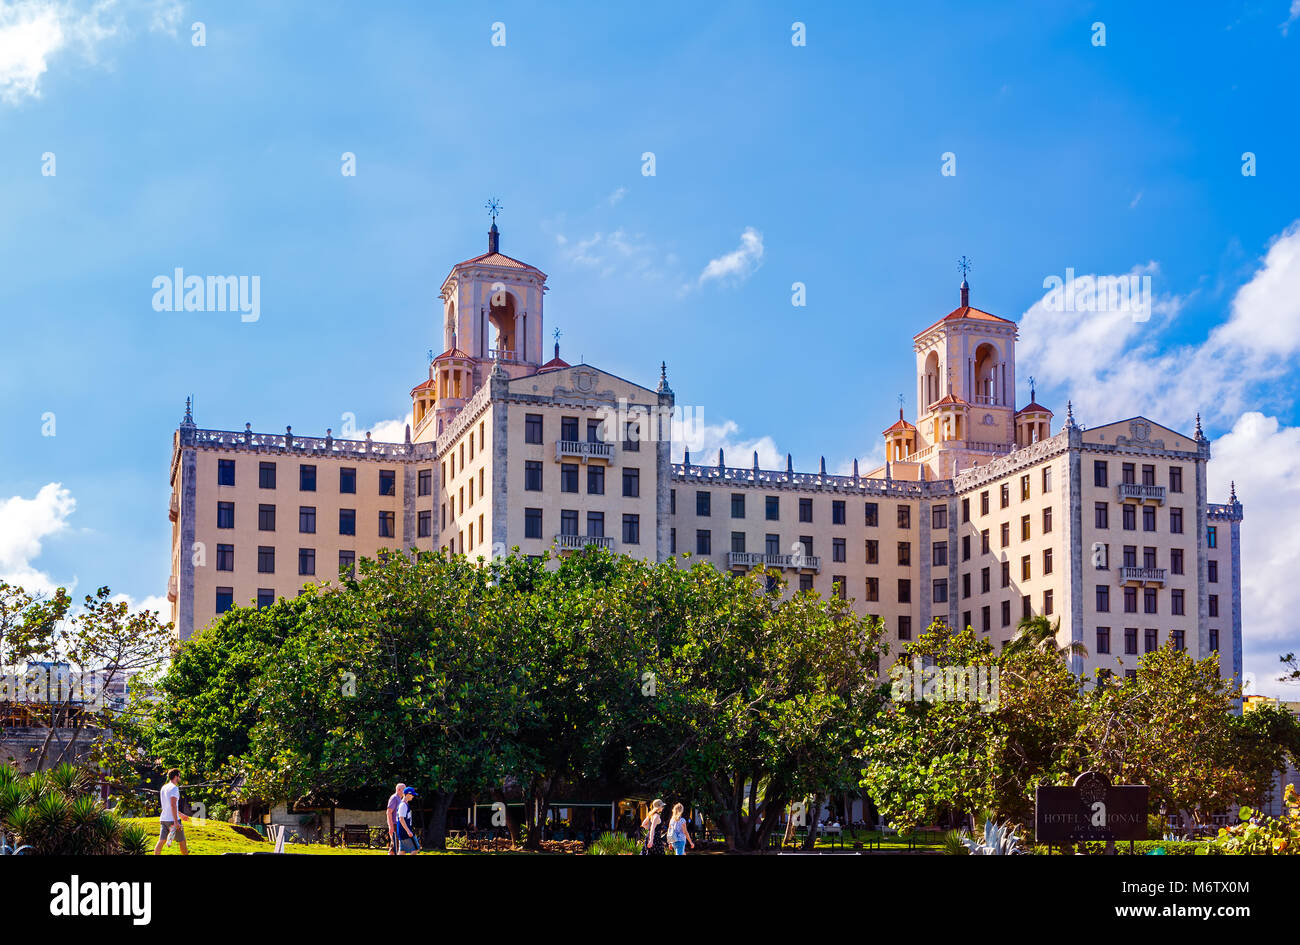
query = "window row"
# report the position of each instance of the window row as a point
(597, 431)
(1150, 640)
(1128, 475)
(307, 478)
(1004, 493)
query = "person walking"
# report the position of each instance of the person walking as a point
(393, 803)
(406, 841)
(170, 820)
(677, 834)
(656, 833)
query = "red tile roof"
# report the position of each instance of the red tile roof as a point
(452, 353)
(496, 259)
(555, 364)
(1032, 407)
(967, 311)
(899, 424)
(950, 399)
(430, 384)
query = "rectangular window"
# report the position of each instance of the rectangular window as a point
(569, 429)
(632, 529)
(225, 599)
(424, 482)
(568, 477)
(873, 551)
(1004, 495)
(1047, 561)
(1024, 488)
(532, 523)
(1004, 532)
(1151, 640)
(940, 590)
(1148, 518)
(904, 554)
(632, 438)
(388, 482)
(1047, 520)
(307, 519)
(424, 524)
(225, 515)
(265, 559)
(1024, 528)
(904, 516)
(1212, 536)
(595, 479)
(1006, 613)
(1175, 478)
(1047, 478)
(1130, 600)
(532, 476)
(985, 584)
(772, 508)
(984, 502)
(569, 521)
(838, 586)
(1100, 473)
(905, 628)
(225, 557)
(1176, 561)
(1212, 569)
(965, 547)
(1148, 475)
(872, 515)
(805, 510)
(939, 554)
(1176, 606)
(306, 560)
(703, 504)
(225, 472)
(1048, 602)
(738, 505)
(838, 514)
(265, 597)
(266, 518)
(266, 475)
(1179, 639)
(532, 428)
(806, 582)
(1214, 640)
(348, 480)
(965, 510)
(1176, 521)
(1214, 605)
(1150, 600)
(1101, 511)
(805, 545)
(348, 563)
(839, 552)
(1103, 599)
(1103, 640)
(631, 483)
(904, 591)
(1130, 641)
(593, 431)
(595, 524)
(306, 478)
(386, 525)
(873, 589)
(738, 542)
(939, 517)
(703, 542)
(1006, 573)
(1024, 568)
(985, 619)
(1130, 517)
(984, 542)
(1128, 474)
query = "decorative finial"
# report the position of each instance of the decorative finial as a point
(900, 406)
(720, 462)
(1032, 396)
(964, 265)
(663, 387)
(789, 463)
(1069, 413)
(755, 460)
(1199, 434)
(687, 459)
(855, 469)
(493, 206)
(189, 412)
(823, 467)
(1232, 493)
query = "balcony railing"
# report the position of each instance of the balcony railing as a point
(1135, 490)
(583, 449)
(573, 542)
(756, 559)
(1129, 573)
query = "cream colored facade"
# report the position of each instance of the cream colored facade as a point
(981, 514)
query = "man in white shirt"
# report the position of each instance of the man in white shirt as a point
(170, 820)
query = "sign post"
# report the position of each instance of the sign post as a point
(1090, 809)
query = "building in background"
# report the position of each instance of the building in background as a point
(981, 515)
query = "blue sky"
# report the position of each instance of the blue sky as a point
(776, 163)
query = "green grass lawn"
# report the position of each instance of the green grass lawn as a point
(213, 838)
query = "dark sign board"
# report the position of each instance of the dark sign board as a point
(1091, 809)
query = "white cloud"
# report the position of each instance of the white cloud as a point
(737, 265)
(24, 525)
(619, 194)
(705, 439)
(1293, 17)
(1102, 359)
(33, 32)
(616, 252)
(390, 431)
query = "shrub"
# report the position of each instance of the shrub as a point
(612, 844)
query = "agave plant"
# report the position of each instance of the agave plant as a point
(612, 844)
(999, 840)
(55, 813)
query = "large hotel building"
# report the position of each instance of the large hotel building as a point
(982, 513)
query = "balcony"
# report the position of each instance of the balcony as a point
(1133, 490)
(1135, 575)
(584, 450)
(756, 559)
(574, 542)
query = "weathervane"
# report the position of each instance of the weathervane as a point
(1032, 398)
(493, 206)
(556, 335)
(964, 265)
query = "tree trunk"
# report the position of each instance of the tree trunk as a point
(810, 841)
(512, 825)
(436, 831)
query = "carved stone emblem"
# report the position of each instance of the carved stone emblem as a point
(1140, 430)
(584, 381)
(988, 420)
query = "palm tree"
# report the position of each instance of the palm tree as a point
(1039, 633)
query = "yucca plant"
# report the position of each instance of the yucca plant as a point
(612, 844)
(954, 843)
(55, 813)
(998, 840)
